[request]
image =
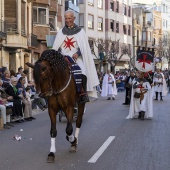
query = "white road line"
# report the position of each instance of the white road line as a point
(100, 151)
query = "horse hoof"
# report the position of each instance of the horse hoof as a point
(73, 149)
(51, 158)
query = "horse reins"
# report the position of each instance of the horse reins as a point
(51, 78)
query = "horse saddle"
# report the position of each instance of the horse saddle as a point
(76, 71)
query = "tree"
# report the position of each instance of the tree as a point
(111, 51)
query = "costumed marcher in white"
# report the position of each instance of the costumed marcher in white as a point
(109, 86)
(141, 104)
(160, 85)
(72, 41)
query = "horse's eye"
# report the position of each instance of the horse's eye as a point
(43, 68)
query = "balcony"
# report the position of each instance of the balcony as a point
(32, 41)
(11, 28)
(147, 43)
(41, 31)
(2, 29)
(42, 1)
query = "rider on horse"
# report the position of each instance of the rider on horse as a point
(72, 41)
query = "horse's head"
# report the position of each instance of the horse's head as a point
(42, 73)
(49, 65)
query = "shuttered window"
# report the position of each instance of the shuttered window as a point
(10, 12)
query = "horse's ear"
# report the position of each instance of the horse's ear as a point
(30, 65)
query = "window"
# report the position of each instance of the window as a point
(129, 49)
(129, 30)
(112, 25)
(75, 2)
(112, 6)
(52, 23)
(40, 15)
(23, 16)
(117, 6)
(100, 24)
(137, 40)
(149, 36)
(124, 9)
(117, 27)
(100, 4)
(124, 29)
(144, 21)
(90, 21)
(90, 2)
(129, 11)
(59, 2)
(81, 20)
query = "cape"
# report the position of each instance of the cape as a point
(164, 86)
(105, 86)
(149, 104)
(82, 41)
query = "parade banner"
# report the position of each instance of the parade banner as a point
(145, 60)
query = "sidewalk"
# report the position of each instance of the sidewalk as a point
(38, 111)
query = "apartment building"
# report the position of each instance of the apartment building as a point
(119, 28)
(92, 20)
(147, 28)
(108, 19)
(23, 29)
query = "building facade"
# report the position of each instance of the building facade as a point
(24, 28)
(119, 29)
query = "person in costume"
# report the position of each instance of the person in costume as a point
(159, 84)
(109, 86)
(128, 86)
(72, 41)
(141, 104)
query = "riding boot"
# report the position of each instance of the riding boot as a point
(83, 96)
(161, 96)
(156, 96)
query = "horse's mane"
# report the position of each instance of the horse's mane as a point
(56, 60)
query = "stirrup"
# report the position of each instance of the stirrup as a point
(84, 98)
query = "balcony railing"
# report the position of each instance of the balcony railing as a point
(32, 41)
(2, 29)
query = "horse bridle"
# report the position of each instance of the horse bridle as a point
(50, 77)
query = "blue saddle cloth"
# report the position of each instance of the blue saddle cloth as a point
(77, 74)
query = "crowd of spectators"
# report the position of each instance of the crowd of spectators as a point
(18, 97)
(121, 77)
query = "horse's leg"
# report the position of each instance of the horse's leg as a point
(81, 107)
(52, 109)
(69, 128)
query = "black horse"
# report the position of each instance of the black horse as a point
(54, 80)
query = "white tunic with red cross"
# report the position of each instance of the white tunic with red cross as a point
(70, 47)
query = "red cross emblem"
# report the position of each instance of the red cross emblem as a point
(69, 43)
(140, 87)
(144, 60)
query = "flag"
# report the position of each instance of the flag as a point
(145, 60)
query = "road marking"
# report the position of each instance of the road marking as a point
(100, 151)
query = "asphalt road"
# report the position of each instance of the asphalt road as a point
(138, 145)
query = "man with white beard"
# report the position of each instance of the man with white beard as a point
(109, 86)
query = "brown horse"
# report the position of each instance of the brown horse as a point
(55, 81)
